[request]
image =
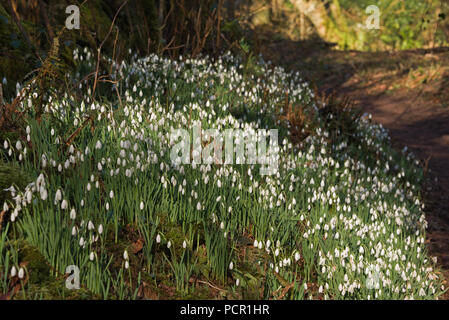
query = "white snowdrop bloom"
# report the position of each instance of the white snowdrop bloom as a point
(5, 207)
(125, 255)
(58, 196)
(222, 225)
(158, 238)
(43, 193)
(297, 256)
(100, 229)
(98, 145)
(256, 243)
(127, 264)
(73, 214)
(92, 256)
(21, 273)
(169, 244)
(276, 252)
(74, 231)
(13, 271)
(111, 194)
(64, 204)
(237, 282)
(219, 183)
(268, 244)
(89, 187)
(90, 226)
(184, 244)
(231, 265)
(141, 205)
(18, 145)
(82, 242)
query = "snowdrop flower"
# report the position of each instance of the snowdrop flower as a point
(169, 244)
(13, 271)
(158, 239)
(141, 205)
(91, 256)
(100, 229)
(98, 145)
(184, 244)
(18, 145)
(231, 265)
(125, 255)
(58, 196)
(126, 264)
(73, 214)
(64, 204)
(90, 226)
(21, 273)
(111, 194)
(297, 256)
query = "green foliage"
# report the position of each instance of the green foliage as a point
(403, 24)
(10, 175)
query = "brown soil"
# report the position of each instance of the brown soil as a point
(407, 92)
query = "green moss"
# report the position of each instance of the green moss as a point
(10, 175)
(42, 284)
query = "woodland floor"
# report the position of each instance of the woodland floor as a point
(406, 91)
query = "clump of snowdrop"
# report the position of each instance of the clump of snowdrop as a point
(347, 210)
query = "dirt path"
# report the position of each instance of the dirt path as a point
(408, 93)
(423, 127)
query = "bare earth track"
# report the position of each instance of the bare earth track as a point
(407, 92)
